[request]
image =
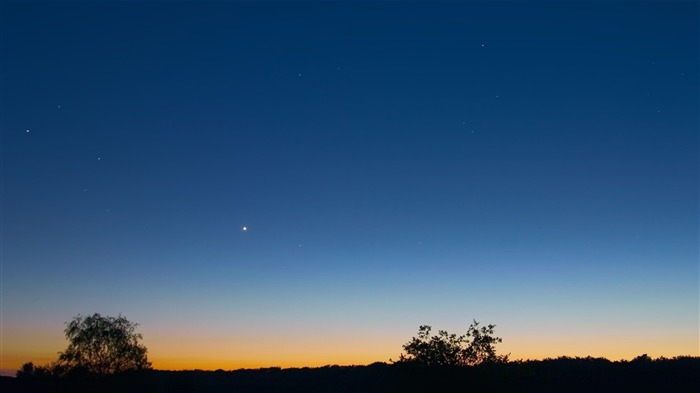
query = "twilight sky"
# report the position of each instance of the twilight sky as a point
(531, 165)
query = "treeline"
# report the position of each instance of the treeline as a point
(563, 374)
(105, 354)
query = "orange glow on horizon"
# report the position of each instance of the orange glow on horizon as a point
(218, 351)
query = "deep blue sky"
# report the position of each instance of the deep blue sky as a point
(528, 164)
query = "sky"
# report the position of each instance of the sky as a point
(532, 165)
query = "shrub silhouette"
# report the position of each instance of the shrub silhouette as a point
(477, 346)
(30, 371)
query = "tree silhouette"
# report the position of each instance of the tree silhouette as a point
(29, 370)
(482, 347)
(475, 347)
(103, 345)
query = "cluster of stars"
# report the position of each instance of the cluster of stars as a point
(28, 130)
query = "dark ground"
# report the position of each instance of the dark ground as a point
(560, 375)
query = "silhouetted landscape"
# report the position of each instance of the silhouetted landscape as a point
(564, 374)
(105, 354)
(288, 195)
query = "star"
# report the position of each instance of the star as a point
(244, 229)
(27, 130)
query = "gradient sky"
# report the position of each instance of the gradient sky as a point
(531, 165)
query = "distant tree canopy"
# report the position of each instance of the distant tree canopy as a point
(29, 370)
(103, 345)
(477, 346)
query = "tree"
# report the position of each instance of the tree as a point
(27, 371)
(482, 347)
(477, 346)
(103, 345)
